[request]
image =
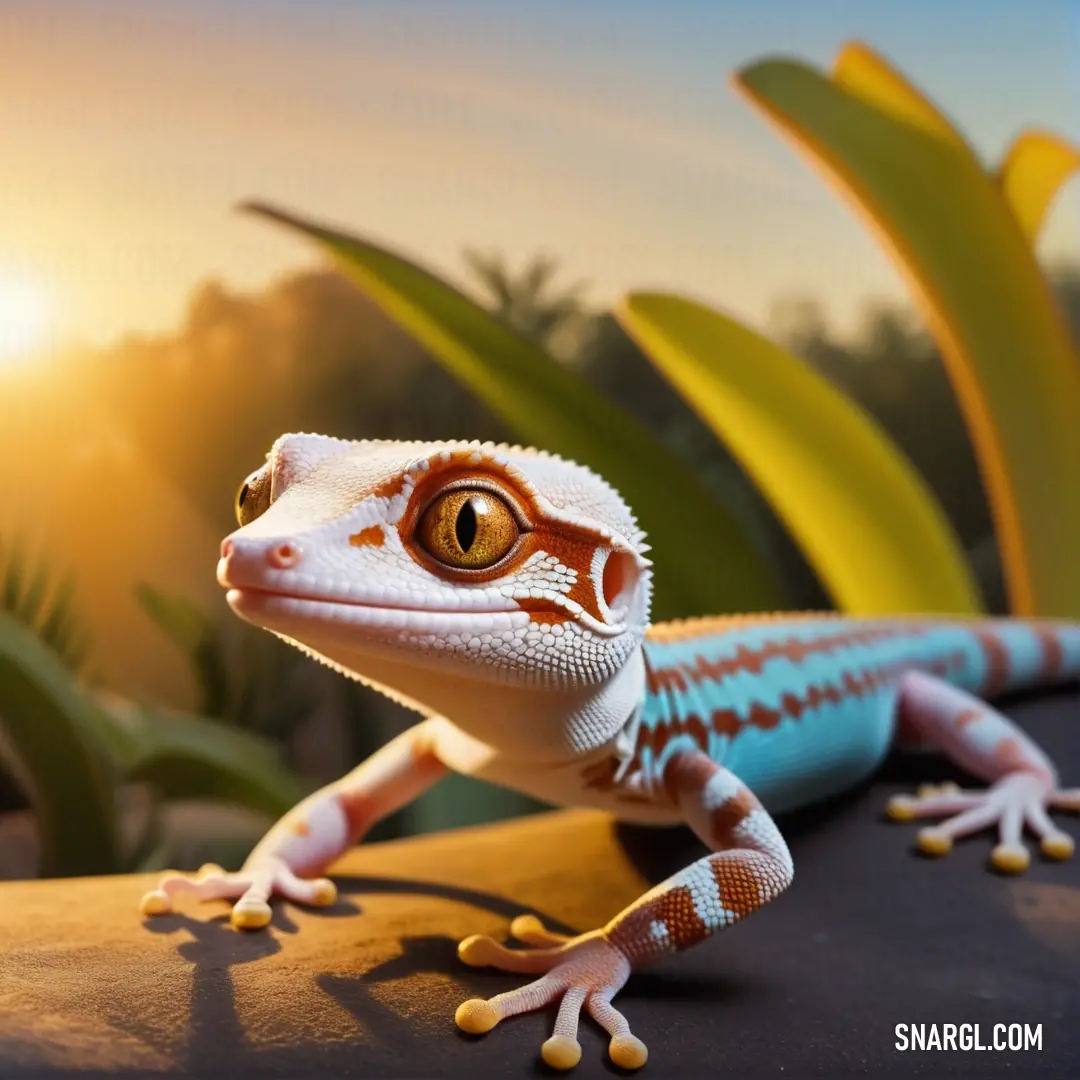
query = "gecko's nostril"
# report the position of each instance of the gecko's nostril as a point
(226, 548)
(284, 556)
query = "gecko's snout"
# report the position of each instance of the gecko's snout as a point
(279, 555)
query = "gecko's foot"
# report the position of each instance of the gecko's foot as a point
(250, 887)
(584, 972)
(1016, 800)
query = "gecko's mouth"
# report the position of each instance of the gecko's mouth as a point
(253, 593)
(282, 611)
(267, 607)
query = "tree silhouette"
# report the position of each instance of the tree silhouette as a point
(524, 301)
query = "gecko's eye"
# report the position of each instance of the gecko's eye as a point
(468, 529)
(253, 497)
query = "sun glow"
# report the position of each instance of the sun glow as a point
(25, 317)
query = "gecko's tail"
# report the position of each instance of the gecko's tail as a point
(1021, 654)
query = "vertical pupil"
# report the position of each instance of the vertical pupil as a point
(466, 525)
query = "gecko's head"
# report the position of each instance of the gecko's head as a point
(497, 563)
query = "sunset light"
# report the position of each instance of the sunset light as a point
(25, 314)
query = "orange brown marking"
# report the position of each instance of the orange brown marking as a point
(388, 488)
(659, 737)
(372, 536)
(1010, 756)
(727, 722)
(361, 811)
(729, 814)
(705, 625)
(300, 828)
(1053, 655)
(997, 663)
(739, 887)
(687, 774)
(674, 677)
(600, 776)
(541, 613)
(675, 909)
(966, 717)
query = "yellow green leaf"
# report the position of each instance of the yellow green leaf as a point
(862, 72)
(865, 520)
(974, 275)
(704, 559)
(51, 738)
(1031, 174)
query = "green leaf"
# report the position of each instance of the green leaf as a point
(192, 627)
(49, 730)
(865, 519)
(1032, 173)
(705, 562)
(958, 235)
(29, 593)
(189, 757)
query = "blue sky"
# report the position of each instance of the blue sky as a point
(604, 132)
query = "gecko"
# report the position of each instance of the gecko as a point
(504, 594)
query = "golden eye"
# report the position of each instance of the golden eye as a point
(468, 529)
(253, 497)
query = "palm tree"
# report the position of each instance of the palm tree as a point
(525, 302)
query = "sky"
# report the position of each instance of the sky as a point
(603, 132)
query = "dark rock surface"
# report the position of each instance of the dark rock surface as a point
(870, 936)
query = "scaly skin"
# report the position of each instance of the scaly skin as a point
(504, 595)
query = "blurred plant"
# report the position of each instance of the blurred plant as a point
(874, 513)
(963, 237)
(524, 301)
(863, 516)
(72, 747)
(30, 594)
(245, 677)
(865, 519)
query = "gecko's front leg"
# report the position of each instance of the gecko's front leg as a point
(748, 866)
(288, 860)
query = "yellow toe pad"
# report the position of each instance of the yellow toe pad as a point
(526, 924)
(476, 1016)
(155, 902)
(325, 894)
(477, 951)
(934, 842)
(899, 808)
(251, 915)
(1058, 847)
(628, 1052)
(1010, 858)
(561, 1052)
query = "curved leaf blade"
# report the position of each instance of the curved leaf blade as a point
(1031, 174)
(1005, 344)
(191, 627)
(861, 71)
(705, 562)
(48, 727)
(865, 520)
(186, 757)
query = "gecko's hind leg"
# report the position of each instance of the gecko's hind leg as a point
(1023, 782)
